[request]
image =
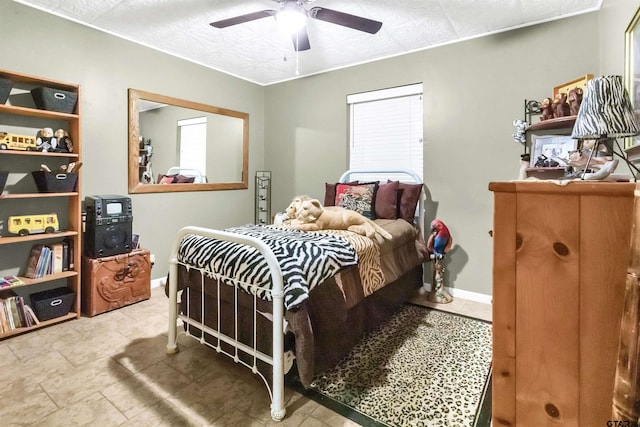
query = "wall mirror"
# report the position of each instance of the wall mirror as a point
(178, 145)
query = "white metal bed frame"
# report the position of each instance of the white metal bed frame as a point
(279, 360)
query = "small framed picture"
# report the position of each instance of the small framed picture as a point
(548, 150)
(135, 241)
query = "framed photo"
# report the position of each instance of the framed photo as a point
(550, 147)
(632, 68)
(135, 241)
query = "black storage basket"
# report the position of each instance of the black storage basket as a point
(51, 99)
(52, 303)
(49, 182)
(5, 89)
(3, 180)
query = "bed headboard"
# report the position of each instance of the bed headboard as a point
(402, 175)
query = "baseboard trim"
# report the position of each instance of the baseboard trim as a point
(158, 283)
(461, 293)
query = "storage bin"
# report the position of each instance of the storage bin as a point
(51, 99)
(52, 303)
(112, 282)
(5, 89)
(49, 182)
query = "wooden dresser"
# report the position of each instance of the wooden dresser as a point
(560, 255)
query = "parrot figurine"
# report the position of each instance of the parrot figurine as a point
(438, 245)
(440, 240)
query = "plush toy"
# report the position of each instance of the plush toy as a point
(45, 141)
(311, 216)
(521, 127)
(294, 208)
(65, 145)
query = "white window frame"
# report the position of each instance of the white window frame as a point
(193, 140)
(371, 147)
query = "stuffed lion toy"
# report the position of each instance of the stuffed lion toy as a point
(312, 216)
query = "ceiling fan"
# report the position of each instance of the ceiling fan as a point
(292, 15)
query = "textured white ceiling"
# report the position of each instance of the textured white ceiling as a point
(260, 52)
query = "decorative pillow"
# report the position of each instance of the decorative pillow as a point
(358, 197)
(387, 200)
(166, 179)
(181, 179)
(408, 197)
(330, 193)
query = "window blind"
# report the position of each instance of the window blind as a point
(193, 143)
(386, 129)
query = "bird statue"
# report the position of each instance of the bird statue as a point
(438, 244)
(440, 240)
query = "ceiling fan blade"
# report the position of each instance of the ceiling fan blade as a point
(301, 40)
(345, 19)
(243, 18)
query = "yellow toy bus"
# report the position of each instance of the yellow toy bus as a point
(11, 141)
(24, 225)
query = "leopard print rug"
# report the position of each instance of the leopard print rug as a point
(421, 368)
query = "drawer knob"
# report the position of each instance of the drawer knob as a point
(552, 410)
(561, 249)
(518, 241)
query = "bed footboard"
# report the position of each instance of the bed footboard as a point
(277, 358)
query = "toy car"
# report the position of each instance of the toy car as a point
(28, 224)
(10, 141)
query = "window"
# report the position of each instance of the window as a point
(386, 129)
(193, 143)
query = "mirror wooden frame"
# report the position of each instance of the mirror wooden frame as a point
(135, 186)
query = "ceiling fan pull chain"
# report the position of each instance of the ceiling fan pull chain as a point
(297, 54)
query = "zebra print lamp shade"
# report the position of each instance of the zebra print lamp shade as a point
(606, 111)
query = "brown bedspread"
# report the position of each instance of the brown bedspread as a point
(339, 311)
(381, 261)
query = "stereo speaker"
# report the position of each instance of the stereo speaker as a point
(108, 228)
(107, 239)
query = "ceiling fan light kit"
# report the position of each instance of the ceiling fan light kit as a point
(292, 16)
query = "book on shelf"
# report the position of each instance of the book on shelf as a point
(31, 315)
(70, 257)
(42, 266)
(7, 310)
(56, 257)
(65, 255)
(32, 261)
(48, 259)
(15, 314)
(4, 320)
(9, 281)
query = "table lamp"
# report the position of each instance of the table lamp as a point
(606, 114)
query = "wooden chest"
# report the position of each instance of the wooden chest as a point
(560, 255)
(116, 281)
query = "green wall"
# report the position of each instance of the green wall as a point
(105, 66)
(472, 93)
(298, 129)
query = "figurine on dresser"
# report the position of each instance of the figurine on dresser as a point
(560, 105)
(574, 98)
(546, 108)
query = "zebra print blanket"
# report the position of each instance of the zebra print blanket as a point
(306, 260)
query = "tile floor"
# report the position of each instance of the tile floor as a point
(112, 370)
